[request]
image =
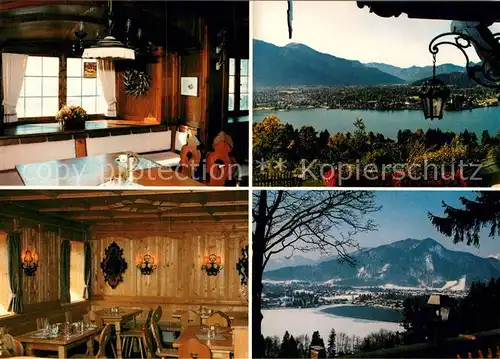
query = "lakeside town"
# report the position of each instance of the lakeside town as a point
(380, 98)
(298, 294)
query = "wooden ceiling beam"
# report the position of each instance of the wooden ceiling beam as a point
(172, 205)
(128, 215)
(35, 195)
(7, 5)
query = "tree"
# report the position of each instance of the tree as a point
(331, 344)
(326, 221)
(464, 224)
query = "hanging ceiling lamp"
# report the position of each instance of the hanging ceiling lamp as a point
(109, 47)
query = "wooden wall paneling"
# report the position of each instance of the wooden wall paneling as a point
(63, 85)
(159, 74)
(80, 147)
(178, 282)
(137, 108)
(172, 87)
(44, 285)
(205, 86)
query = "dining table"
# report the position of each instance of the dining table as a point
(40, 340)
(101, 170)
(177, 315)
(222, 346)
(118, 319)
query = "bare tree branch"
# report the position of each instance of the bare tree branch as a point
(326, 221)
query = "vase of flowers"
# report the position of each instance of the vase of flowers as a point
(72, 117)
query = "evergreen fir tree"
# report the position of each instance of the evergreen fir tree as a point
(331, 344)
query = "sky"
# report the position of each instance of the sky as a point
(404, 215)
(342, 29)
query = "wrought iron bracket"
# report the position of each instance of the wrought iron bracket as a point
(478, 73)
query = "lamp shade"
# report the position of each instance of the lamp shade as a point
(109, 48)
(434, 95)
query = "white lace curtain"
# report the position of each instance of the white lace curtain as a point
(106, 73)
(13, 69)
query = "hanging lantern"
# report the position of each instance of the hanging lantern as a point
(434, 95)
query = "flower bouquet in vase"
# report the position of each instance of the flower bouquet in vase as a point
(72, 117)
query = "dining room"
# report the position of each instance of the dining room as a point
(124, 274)
(124, 93)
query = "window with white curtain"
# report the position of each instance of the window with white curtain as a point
(40, 92)
(81, 91)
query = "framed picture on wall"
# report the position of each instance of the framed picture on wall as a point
(189, 86)
(89, 69)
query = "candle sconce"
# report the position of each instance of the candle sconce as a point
(30, 263)
(147, 265)
(212, 265)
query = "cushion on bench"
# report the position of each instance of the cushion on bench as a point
(25, 153)
(166, 158)
(180, 140)
(138, 143)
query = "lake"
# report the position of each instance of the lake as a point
(388, 122)
(306, 321)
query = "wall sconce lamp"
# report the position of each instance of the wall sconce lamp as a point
(147, 265)
(30, 263)
(212, 265)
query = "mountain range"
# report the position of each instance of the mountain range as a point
(298, 64)
(294, 261)
(407, 263)
(415, 73)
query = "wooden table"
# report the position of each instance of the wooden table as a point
(221, 349)
(59, 344)
(232, 315)
(96, 170)
(117, 320)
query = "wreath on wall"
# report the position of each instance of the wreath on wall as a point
(136, 82)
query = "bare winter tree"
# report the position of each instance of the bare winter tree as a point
(326, 221)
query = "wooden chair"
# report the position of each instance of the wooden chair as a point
(481, 356)
(190, 157)
(95, 318)
(104, 339)
(193, 348)
(135, 335)
(11, 344)
(68, 316)
(155, 330)
(190, 318)
(220, 164)
(39, 322)
(220, 319)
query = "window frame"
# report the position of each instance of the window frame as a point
(62, 95)
(4, 239)
(81, 281)
(237, 88)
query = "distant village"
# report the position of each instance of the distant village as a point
(312, 295)
(380, 98)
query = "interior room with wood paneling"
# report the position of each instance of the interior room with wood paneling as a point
(164, 84)
(124, 273)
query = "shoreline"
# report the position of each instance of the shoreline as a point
(298, 108)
